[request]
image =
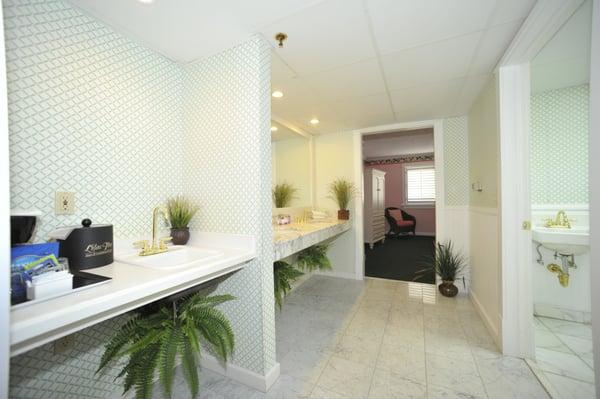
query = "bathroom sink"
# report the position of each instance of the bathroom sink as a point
(574, 241)
(177, 257)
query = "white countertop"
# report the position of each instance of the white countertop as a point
(294, 237)
(131, 287)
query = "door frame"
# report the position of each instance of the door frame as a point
(545, 19)
(438, 143)
(4, 227)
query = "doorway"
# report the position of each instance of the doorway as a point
(400, 167)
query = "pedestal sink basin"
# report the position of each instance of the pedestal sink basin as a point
(573, 241)
(178, 256)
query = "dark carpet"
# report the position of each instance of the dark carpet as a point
(400, 259)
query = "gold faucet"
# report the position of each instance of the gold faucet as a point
(563, 277)
(561, 221)
(146, 248)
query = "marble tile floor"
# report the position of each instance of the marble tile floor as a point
(379, 339)
(564, 358)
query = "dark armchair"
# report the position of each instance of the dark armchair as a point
(400, 222)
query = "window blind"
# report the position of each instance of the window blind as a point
(420, 185)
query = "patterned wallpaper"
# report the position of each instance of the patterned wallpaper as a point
(456, 161)
(559, 146)
(93, 112)
(90, 112)
(228, 171)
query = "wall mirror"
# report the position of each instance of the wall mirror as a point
(292, 154)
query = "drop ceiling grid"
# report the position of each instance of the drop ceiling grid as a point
(468, 57)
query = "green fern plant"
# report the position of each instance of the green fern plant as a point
(314, 258)
(283, 194)
(154, 342)
(284, 275)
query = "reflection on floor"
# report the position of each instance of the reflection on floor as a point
(564, 359)
(344, 339)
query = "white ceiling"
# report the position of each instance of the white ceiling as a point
(388, 145)
(565, 59)
(350, 63)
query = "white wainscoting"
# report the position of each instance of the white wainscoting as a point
(485, 268)
(456, 228)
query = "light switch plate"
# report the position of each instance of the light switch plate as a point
(64, 203)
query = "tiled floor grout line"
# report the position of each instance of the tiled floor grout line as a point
(425, 347)
(342, 333)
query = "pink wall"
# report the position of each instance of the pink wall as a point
(394, 196)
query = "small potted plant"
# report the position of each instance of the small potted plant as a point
(342, 191)
(180, 211)
(283, 194)
(448, 265)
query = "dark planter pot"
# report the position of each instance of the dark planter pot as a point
(343, 214)
(447, 288)
(180, 236)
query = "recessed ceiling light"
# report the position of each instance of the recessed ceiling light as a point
(146, 1)
(314, 121)
(277, 94)
(274, 128)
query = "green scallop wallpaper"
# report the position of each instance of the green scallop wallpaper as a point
(559, 146)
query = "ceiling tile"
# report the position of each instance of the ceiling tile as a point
(511, 10)
(355, 80)
(472, 87)
(493, 45)
(400, 24)
(359, 112)
(279, 70)
(427, 64)
(325, 36)
(426, 102)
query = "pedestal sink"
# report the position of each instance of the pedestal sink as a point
(178, 256)
(573, 241)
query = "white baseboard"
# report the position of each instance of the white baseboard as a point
(493, 330)
(244, 376)
(350, 276)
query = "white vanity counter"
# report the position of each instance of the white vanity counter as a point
(295, 237)
(131, 287)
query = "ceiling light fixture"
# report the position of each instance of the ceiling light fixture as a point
(314, 121)
(274, 128)
(277, 94)
(281, 37)
(146, 1)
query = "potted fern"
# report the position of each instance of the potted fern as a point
(342, 191)
(284, 274)
(180, 212)
(448, 265)
(314, 258)
(283, 194)
(153, 342)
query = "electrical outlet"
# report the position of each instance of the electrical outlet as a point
(64, 203)
(64, 344)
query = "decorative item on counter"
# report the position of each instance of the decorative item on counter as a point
(28, 260)
(87, 246)
(180, 212)
(342, 192)
(318, 215)
(283, 219)
(22, 225)
(448, 265)
(283, 194)
(159, 339)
